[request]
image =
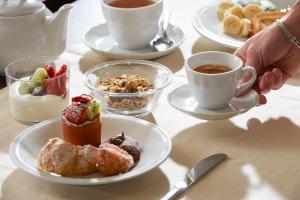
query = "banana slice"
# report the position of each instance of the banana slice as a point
(232, 25)
(224, 5)
(250, 10)
(246, 27)
(235, 10)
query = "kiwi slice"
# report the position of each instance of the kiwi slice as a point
(26, 87)
(93, 109)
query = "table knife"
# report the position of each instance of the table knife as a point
(195, 174)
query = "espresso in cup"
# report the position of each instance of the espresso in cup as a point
(132, 23)
(218, 81)
(130, 3)
(212, 69)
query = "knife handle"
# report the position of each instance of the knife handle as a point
(175, 191)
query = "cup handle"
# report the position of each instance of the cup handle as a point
(245, 86)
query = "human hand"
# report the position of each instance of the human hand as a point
(273, 56)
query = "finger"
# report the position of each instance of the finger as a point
(266, 83)
(246, 77)
(284, 75)
(277, 79)
(256, 85)
(262, 99)
(254, 59)
(253, 55)
(242, 51)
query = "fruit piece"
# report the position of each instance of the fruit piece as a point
(84, 98)
(51, 71)
(224, 5)
(39, 91)
(76, 114)
(93, 109)
(26, 88)
(57, 85)
(246, 27)
(250, 10)
(232, 25)
(63, 69)
(40, 74)
(235, 10)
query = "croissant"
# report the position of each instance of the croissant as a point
(66, 159)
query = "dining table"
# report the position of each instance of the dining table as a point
(263, 144)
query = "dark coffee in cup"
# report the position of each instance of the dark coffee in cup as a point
(130, 3)
(212, 69)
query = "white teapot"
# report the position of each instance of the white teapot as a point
(27, 28)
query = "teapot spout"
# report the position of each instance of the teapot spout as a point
(56, 26)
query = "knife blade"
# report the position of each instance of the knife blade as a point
(195, 174)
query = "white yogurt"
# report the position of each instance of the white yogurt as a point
(29, 108)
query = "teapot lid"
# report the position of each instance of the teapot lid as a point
(13, 8)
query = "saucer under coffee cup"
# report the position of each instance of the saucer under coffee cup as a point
(132, 26)
(214, 78)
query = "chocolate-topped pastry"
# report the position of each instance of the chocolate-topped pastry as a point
(127, 144)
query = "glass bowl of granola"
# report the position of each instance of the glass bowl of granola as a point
(128, 87)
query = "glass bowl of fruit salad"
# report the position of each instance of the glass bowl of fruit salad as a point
(128, 87)
(38, 88)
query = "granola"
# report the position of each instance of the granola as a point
(126, 84)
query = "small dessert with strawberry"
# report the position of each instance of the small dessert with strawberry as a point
(40, 96)
(81, 121)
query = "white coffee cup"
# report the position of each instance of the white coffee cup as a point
(215, 91)
(132, 28)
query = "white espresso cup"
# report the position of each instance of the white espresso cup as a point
(132, 28)
(215, 91)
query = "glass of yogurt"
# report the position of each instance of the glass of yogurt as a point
(38, 88)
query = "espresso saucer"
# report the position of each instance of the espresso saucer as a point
(182, 99)
(99, 40)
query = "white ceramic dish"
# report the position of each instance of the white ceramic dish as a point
(206, 22)
(98, 39)
(155, 143)
(182, 99)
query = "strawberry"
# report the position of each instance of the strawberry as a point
(63, 69)
(76, 114)
(50, 70)
(84, 98)
(57, 85)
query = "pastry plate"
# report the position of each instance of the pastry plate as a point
(206, 22)
(155, 142)
(182, 99)
(98, 39)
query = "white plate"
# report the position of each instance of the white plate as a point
(98, 39)
(206, 22)
(182, 99)
(155, 143)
